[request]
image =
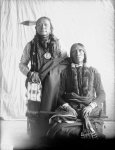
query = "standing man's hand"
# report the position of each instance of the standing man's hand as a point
(35, 77)
(32, 77)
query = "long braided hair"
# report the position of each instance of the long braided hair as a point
(82, 77)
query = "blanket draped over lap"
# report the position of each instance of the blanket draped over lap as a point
(64, 124)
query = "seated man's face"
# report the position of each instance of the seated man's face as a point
(77, 54)
(43, 27)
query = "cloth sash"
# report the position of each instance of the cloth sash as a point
(73, 97)
(52, 64)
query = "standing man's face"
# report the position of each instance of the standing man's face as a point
(43, 27)
(77, 54)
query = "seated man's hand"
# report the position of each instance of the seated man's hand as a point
(70, 110)
(86, 111)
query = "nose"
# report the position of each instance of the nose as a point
(43, 26)
(77, 53)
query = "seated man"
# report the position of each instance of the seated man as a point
(81, 96)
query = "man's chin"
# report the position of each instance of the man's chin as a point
(76, 61)
(44, 34)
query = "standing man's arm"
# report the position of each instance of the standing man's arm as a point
(23, 65)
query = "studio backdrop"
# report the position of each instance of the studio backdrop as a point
(90, 22)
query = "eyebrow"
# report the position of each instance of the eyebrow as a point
(78, 49)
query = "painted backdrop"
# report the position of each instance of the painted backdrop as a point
(88, 22)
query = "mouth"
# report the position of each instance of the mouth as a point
(43, 31)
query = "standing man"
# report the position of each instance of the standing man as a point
(44, 54)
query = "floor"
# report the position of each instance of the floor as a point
(14, 134)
